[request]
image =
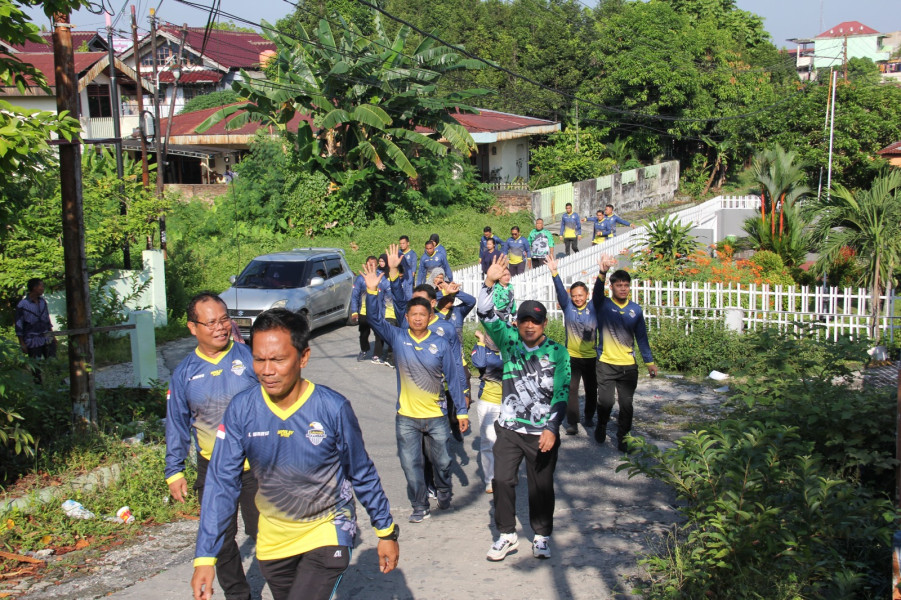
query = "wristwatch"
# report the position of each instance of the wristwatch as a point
(391, 537)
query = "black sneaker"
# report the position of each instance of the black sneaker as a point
(623, 446)
(361, 357)
(419, 515)
(600, 434)
(444, 501)
(571, 430)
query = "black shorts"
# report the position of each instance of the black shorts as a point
(313, 575)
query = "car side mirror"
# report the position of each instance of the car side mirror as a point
(233, 279)
(317, 281)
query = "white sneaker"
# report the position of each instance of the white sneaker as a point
(504, 545)
(541, 547)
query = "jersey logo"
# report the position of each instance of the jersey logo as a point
(285, 433)
(238, 367)
(433, 348)
(254, 434)
(220, 432)
(632, 313)
(439, 331)
(316, 434)
(216, 373)
(201, 376)
(168, 395)
(337, 554)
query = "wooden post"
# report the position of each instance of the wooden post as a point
(145, 174)
(78, 299)
(160, 166)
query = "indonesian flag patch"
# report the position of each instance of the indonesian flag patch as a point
(220, 432)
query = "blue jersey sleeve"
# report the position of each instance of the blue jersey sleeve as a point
(223, 484)
(361, 472)
(641, 337)
(448, 274)
(467, 303)
(178, 428)
(562, 296)
(421, 271)
(622, 221)
(452, 365)
(375, 312)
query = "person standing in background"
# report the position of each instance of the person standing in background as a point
(570, 229)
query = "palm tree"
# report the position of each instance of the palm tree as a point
(869, 222)
(373, 101)
(620, 152)
(781, 184)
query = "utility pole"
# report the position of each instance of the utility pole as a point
(145, 173)
(117, 134)
(78, 299)
(831, 137)
(160, 165)
(176, 75)
(845, 58)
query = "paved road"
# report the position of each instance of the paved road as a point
(603, 519)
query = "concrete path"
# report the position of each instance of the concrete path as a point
(603, 520)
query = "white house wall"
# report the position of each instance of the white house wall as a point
(503, 156)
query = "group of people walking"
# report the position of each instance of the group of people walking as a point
(265, 433)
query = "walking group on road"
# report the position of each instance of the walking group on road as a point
(289, 452)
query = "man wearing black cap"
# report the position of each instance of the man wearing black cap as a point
(535, 390)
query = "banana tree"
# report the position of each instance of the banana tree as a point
(362, 101)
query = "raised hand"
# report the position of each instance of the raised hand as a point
(394, 257)
(371, 276)
(551, 263)
(449, 289)
(496, 270)
(606, 262)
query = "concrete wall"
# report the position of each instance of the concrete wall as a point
(124, 284)
(627, 191)
(729, 222)
(202, 191)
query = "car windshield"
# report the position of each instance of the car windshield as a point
(267, 274)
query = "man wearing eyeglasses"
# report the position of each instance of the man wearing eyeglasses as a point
(201, 387)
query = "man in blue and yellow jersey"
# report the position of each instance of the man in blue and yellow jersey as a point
(424, 361)
(305, 446)
(605, 224)
(358, 311)
(534, 387)
(622, 326)
(570, 229)
(581, 324)
(410, 261)
(201, 387)
(518, 251)
(430, 260)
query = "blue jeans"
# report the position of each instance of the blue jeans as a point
(410, 434)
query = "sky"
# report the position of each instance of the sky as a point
(783, 19)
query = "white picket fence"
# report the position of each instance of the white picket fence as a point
(832, 312)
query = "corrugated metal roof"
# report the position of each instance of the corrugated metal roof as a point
(43, 62)
(487, 121)
(78, 39)
(891, 150)
(232, 49)
(200, 76)
(847, 28)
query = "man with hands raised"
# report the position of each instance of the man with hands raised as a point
(622, 326)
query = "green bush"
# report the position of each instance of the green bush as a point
(789, 497)
(707, 346)
(770, 262)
